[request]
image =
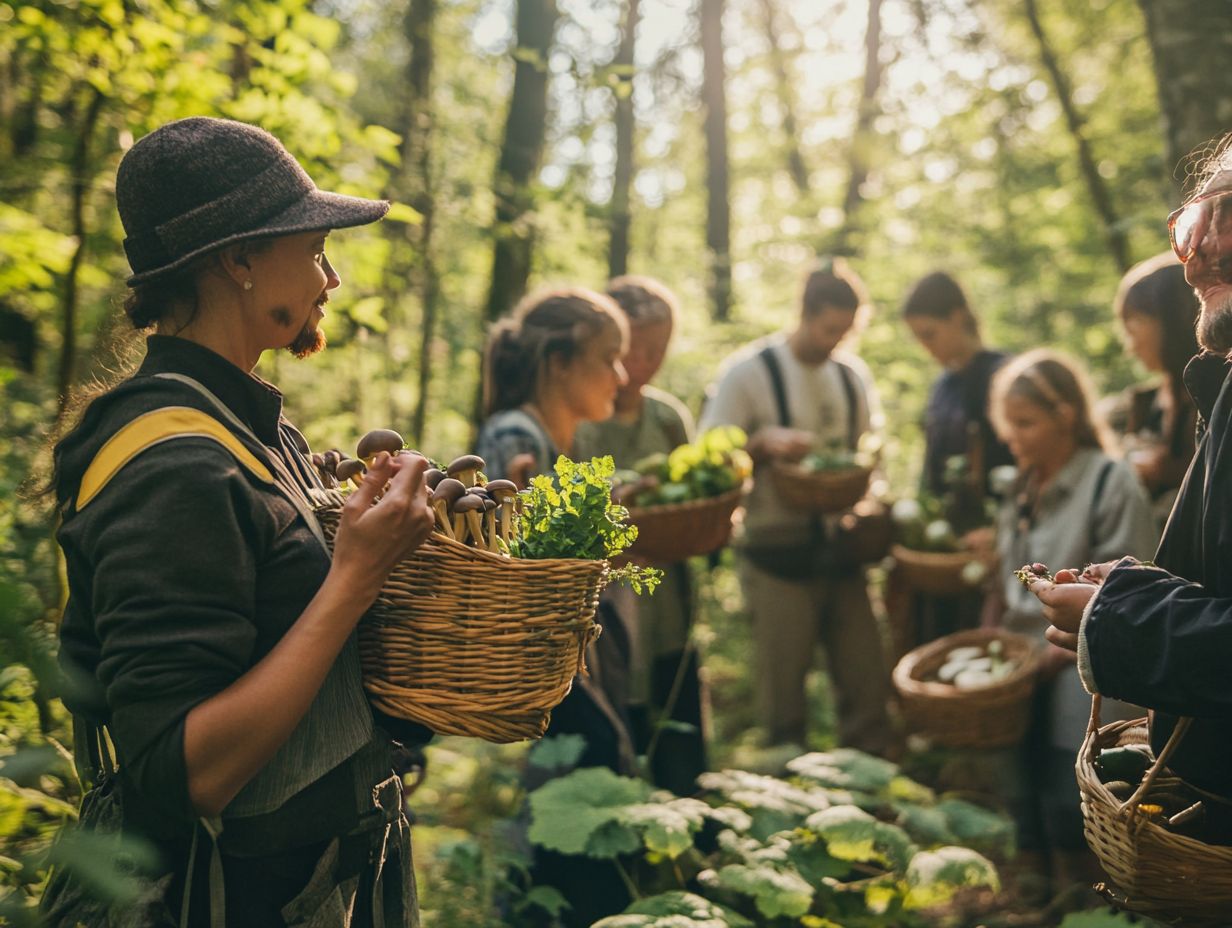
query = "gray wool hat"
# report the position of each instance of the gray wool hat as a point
(197, 184)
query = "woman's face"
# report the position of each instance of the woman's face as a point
(1144, 338)
(1036, 435)
(647, 348)
(291, 279)
(946, 338)
(589, 382)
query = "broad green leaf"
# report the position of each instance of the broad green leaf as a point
(675, 910)
(934, 876)
(547, 898)
(775, 892)
(978, 827)
(566, 813)
(926, 824)
(852, 834)
(845, 768)
(667, 827)
(557, 751)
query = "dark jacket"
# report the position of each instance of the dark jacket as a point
(1161, 637)
(958, 399)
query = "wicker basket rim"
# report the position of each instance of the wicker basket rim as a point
(705, 502)
(920, 557)
(908, 684)
(789, 468)
(503, 561)
(1089, 783)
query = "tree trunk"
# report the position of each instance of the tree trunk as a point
(786, 95)
(861, 138)
(520, 156)
(718, 181)
(1191, 41)
(83, 176)
(618, 240)
(420, 23)
(1114, 233)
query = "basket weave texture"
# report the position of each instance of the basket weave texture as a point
(468, 642)
(990, 716)
(822, 490)
(1160, 872)
(670, 533)
(934, 572)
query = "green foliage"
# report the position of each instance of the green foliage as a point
(572, 515)
(675, 910)
(710, 466)
(934, 876)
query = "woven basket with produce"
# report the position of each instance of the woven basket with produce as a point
(829, 481)
(682, 503)
(481, 631)
(1154, 835)
(969, 689)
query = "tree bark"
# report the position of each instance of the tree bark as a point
(520, 156)
(718, 180)
(861, 137)
(83, 176)
(787, 98)
(1191, 41)
(1101, 198)
(618, 239)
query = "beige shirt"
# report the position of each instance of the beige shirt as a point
(816, 402)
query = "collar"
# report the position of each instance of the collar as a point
(1204, 379)
(1070, 474)
(256, 402)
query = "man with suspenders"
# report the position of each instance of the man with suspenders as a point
(792, 395)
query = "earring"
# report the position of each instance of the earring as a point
(248, 285)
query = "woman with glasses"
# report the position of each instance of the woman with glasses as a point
(1158, 635)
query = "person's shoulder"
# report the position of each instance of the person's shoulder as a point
(664, 406)
(853, 361)
(746, 361)
(507, 422)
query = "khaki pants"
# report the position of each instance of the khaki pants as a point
(790, 618)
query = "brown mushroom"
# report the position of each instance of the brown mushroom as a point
(447, 492)
(490, 507)
(433, 476)
(470, 507)
(351, 470)
(466, 468)
(376, 441)
(504, 492)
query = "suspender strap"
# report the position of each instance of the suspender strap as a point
(779, 385)
(1100, 482)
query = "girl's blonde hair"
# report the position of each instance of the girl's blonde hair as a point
(548, 324)
(1050, 380)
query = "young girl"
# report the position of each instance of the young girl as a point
(1157, 311)
(553, 364)
(664, 679)
(1073, 505)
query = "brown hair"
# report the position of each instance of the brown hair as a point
(644, 300)
(149, 302)
(547, 324)
(832, 284)
(937, 296)
(1050, 380)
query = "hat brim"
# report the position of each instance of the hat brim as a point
(317, 210)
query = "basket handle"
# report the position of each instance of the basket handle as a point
(1178, 732)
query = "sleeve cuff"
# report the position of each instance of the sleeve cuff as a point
(1085, 672)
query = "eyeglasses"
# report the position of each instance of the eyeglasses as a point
(1189, 226)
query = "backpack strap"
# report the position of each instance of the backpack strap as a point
(156, 427)
(775, 370)
(848, 376)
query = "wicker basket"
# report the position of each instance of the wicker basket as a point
(670, 533)
(936, 573)
(1157, 871)
(991, 716)
(468, 642)
(821, 490)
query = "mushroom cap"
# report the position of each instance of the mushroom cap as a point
(481, 492)
(466, 462)
(488, 503)
(468, 503)
(501, 489)
(432, 477)
(318, 460)
(449, 490)
(331, 459)
(379, 440)
(350, 468)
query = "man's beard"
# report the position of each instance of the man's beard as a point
(309, 341)
(1215, 325)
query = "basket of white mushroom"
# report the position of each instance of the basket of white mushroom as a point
(969, 689)
(475, 634)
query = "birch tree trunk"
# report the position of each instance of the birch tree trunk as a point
(718, 180)
(618, 237)
(1191, 42)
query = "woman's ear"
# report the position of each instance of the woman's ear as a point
(1068, 415)
(233, 260)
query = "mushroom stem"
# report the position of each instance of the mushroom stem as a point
(489, 525)
(507, 519)
(442, 518)
(475, 526)
(459, 527)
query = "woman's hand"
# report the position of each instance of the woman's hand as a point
(375, 534)
(1066, 598)
(776, 443)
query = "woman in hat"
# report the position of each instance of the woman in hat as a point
(209, 635)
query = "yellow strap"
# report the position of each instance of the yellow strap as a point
(150, 429)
